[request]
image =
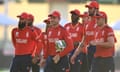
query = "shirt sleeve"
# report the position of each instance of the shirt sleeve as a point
(13, 38)
(111, 33)
(69, 44)
(39, 45)
(37, 37)
(82, 32)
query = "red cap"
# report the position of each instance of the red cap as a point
(75, 11)
(23, 15)
(85, 14)
(93, 4)
(101, 15)
(47, 21)
(30, 16)
(55, 14)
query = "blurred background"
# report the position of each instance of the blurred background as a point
(9, 9)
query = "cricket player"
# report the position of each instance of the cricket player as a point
(75, 28)
(105, 46)
(38, 45)
(59, 45)
(23, 38)
(89, 33)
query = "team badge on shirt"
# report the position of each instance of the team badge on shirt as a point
(68, 28)
(27, 34)
(17, 33)
(103, 33)
(77, 29)
(49, 34)
(58, 33)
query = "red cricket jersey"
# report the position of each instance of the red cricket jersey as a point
(23, 40)
(58, 33)
(76, 31)
(39, 43)
(102, 35)
(89, 32)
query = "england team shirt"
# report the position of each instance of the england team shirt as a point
(58, 33)
(102, 35)
(23, 40)
(76, 31)
(90, 30)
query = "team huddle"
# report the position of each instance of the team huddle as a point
(86, 46)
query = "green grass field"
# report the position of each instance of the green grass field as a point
(4, 71)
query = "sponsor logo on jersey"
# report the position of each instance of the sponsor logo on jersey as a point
(21, 41)
(110, 33)
(89, 33)
(74, 34)
(53, 40)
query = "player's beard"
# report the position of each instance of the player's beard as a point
(21, 25)
(92, 13)
(75, 20)
(53, 23)
(30, 23)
